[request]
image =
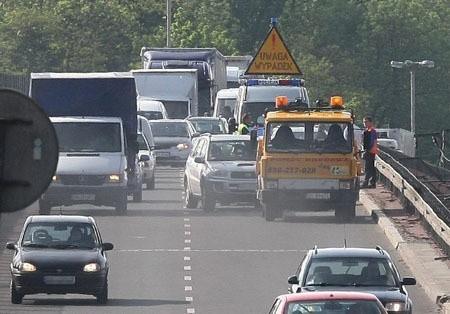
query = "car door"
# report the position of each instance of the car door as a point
(195, 168)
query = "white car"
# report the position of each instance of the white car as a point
(151, 109)
(148, 166)
(220, 168)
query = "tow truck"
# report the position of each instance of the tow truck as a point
(308, 159)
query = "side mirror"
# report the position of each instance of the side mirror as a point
(107, 246)
(232, 126)
(11, 245)
(199, 159)
(144, 158)
(409, 281)
(293, 280)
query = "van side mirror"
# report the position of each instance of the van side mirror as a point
(232, 126)
(254, 139)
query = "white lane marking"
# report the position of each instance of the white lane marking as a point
(187, 267)
(187, 288)
(190, 311)
(187, 233)
(189, 299)
(187, 258)
(187, 225)
(187, 241)
(187, 219)
(187, 248)
(188, 278)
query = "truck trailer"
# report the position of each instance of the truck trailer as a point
(210, 64)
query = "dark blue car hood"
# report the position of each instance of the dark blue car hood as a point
(49, 257)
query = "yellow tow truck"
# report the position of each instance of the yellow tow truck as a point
(308, 160)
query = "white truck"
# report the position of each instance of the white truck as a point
(94, 115)
(177, 89)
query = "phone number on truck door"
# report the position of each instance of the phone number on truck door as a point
(291, 170)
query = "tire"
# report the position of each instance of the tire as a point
(189, 199)
(44, 207)
(122, 204)
(102, 297)
(16, 297)
(208, 201)
(151, 183)
(270, 212)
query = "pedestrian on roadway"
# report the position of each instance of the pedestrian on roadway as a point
(370, 145)
(244, 127)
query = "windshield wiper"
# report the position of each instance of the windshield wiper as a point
(35, 245)
(64, 246)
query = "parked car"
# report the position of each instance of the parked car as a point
(212, 125)
(58, 254)
(148, 166)
(354, 269)
(345, 302)
(173, 140)
(220, 168)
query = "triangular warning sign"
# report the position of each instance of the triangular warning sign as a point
(273, 57)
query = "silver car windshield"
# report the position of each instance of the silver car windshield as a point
(231, 150)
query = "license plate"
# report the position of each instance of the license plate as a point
(83, 197)
(247, 186)
(59, 280)
(162, 154)
(318, 196)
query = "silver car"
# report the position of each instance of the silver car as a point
(220, 168)
(173, 140)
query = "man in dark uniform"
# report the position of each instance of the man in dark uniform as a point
(370, 145)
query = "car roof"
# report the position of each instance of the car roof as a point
(204, 118)
(168, 120)
(60, 218)
(349, 252)
(326, 295)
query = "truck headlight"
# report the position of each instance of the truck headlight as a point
(395, 307)
(271, 184)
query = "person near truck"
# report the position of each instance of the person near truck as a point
(244, 127)
(370, 145)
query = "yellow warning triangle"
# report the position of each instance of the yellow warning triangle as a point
(273, 57)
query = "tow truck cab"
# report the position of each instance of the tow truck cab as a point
(308, 159)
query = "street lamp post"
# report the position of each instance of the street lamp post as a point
(169, 22)
(412, 66)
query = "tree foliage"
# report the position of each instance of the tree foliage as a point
(342, 46)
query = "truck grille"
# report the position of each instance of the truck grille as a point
(83, 179)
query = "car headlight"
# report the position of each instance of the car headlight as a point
(27, 267)
(114, 178)
(345, 185)
(271, 184)
(395, 306)
(218, 173)
(91, 267)
(183, 146)
(56, 179)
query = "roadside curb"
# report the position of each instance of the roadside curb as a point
(417, 256)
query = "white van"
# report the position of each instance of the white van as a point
(225, 97)
(151, 109)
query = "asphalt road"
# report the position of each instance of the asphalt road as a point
(168, 259)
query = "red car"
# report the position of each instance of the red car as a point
(323, 302)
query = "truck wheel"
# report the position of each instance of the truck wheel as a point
(16, 297)
(270, 212)
(208, 201)
(44, 207)
(151, 183)
(121, 204)
(189, 200)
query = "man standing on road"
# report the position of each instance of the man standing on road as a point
(370, 145)
(244, 127)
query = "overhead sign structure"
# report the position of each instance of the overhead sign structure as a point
(273, 57)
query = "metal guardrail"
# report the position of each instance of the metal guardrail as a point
(433, 212)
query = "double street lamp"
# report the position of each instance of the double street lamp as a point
(412, 66)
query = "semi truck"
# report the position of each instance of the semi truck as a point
(95, 118)
(210, 64)
(177, 89)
